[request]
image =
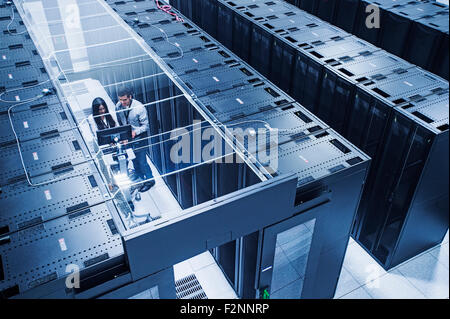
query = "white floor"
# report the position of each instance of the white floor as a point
(424, 277)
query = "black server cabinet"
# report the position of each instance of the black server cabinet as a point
(285, 64)
(264, 36)
(243, 25)
(18, 53)
(88, 239)
(202, 59)
(244, 101)
(220, 79)
(345, 14)
(361, 29)
(338, 87)
(427, 44)
(397, 23)
(405, 211)
(330, 172)
(49, 153)
(326, 9)
(22, 75)
(61, 194)
(375, 99)
(10, 99)
(38, 120)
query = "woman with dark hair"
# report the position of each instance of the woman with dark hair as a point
(102, 117)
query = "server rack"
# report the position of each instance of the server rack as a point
(30, 128)
(52, 152)
(75, 190)
(374, 102)
(408, 213)
(400, 21)
(338, 87)
(243, 101)
(427, 44)
(23, 74)
(210, 81)
(320, 158)
(17, 53)
(201, 59)
(397, 23)
(380, 83)
(86, 239)
(257, 100)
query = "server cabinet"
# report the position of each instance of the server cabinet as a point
(133, 17)
(427, 42)
(243, 101)
(53, 195)
(10, 99)
(202, 59)
(149, 31)
(264, 36)
(398, 21)
(242, 24)
(374, 102)
(310, 62)
(40, 120)
(87, 241)
(338, 87)
(13, 38)
(177, 46)
(316, 252)
(285, 55)
(405, 210)
(51, 153)
(361, 29)
(345, 16)
(23, 74)
(326, 9)
(221, 79)
(17, 53)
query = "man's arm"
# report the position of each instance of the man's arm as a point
(143, 120)
(119, 114)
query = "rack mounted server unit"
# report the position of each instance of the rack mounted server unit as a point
(234, 93)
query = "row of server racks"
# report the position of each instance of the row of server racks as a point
(394, 111)
(416, 31)
(330, 170)
(53, 194)
(53, 212)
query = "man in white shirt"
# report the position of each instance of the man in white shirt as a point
(132, 112)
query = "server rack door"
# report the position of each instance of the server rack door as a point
(225, 21)
(326, 9)
(346, 14)
(289, 253)
(394, 32)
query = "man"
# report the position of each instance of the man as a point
(132, 112)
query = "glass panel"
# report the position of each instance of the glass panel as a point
(291, 258)
(158, 157)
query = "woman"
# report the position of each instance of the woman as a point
(103, 121)
(102, 117)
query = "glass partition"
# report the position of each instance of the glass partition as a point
(155, 147)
